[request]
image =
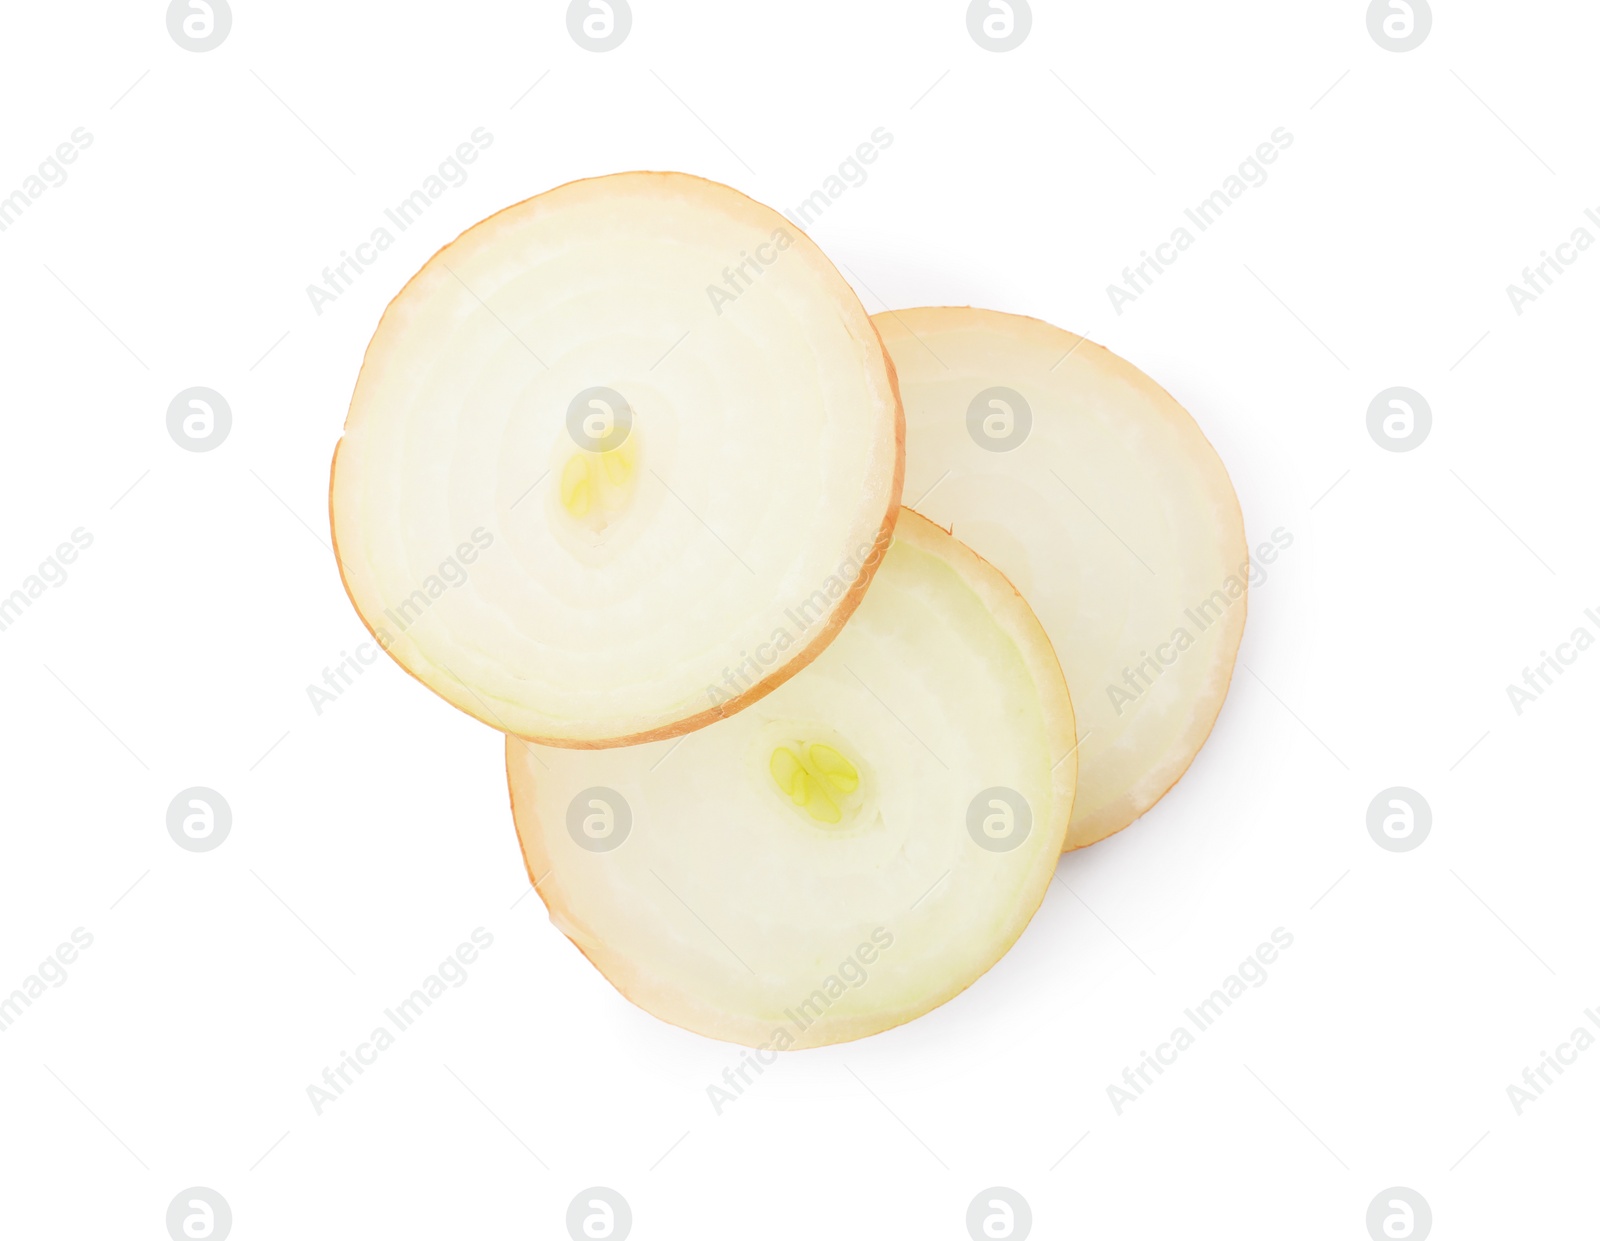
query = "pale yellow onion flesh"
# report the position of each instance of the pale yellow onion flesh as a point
(1114, 517)
(652, 591)
(727, 909)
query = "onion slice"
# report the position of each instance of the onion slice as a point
(1084, 482)
(621, 459)
(844, 855)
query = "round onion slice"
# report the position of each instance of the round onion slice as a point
(844, 855)
(1084, 482)
(621, 459)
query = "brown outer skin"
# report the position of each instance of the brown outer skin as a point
(848, 602)
(1098, 831)
(1045, 653)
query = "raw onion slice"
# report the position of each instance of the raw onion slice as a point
(1084, 482)
(844, 855)
(621, 459)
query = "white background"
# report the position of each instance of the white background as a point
(369, 840)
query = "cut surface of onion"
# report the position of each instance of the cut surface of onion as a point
(1093, 490)
(620, 460)
(842, 856)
